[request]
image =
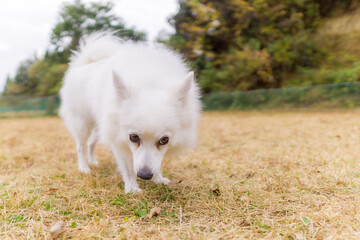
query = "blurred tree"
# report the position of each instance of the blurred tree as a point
(248, 44)
(47, 76)
(78, 19)
(42, 76)
(21, 83)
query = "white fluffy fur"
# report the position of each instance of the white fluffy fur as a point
(115, 88)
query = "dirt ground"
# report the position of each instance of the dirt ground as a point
(254, 175)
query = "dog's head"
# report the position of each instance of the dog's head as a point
(152, 122)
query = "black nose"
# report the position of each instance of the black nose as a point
(145, 174)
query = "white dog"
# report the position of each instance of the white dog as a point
(142, 101)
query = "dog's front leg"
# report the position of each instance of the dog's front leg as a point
(126, 171)
(93, 139)
(83, 166)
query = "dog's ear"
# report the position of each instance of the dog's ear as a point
(119, 86)
(185, 88)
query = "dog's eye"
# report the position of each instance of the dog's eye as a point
(134, 138)
(163, 141)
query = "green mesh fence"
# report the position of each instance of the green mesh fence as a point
(343, 95)
(24, 106)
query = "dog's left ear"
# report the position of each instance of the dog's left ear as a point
(184, 90)
(119, 86)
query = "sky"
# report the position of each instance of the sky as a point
(25, 25)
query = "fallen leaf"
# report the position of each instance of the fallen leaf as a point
(57, 229)
(245, 223)
(250, 175)
(153, 212)
(50, 191)
(340, 182)
(216, 192)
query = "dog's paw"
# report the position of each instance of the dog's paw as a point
(94, 162)
(132, 186)
(132, 189)
(165, 181)
(162, 180)
(84, 169)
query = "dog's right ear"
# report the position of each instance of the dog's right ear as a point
(119, 86)
(184, 90)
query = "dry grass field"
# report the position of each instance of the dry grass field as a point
(254, 175)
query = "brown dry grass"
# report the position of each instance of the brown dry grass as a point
(254, 175)
(344, 24)
(340, 35)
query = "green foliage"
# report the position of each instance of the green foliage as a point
(47, 76)
(310, 76)
(141, 209)
(43, 76)
(234, 45)
(36, 77)
(243, 44)
(21, 83)
(119, 200)
(240, 70)
(79, 19)
(14, 218)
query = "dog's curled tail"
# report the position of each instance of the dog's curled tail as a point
(95, 47)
